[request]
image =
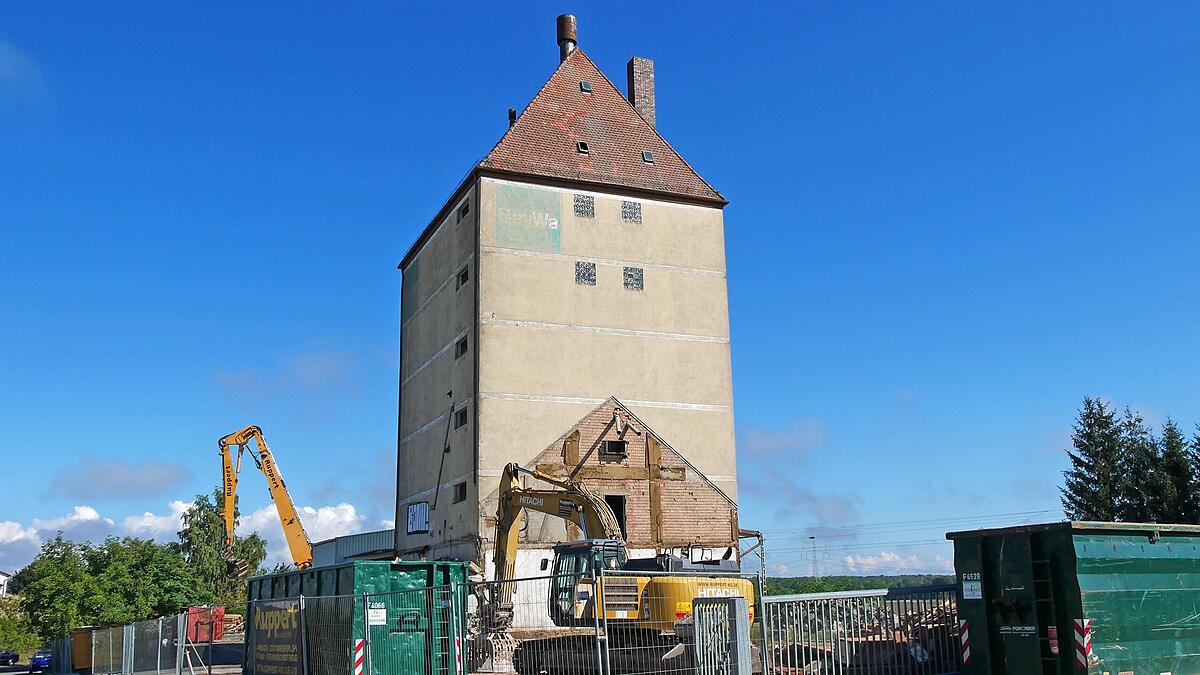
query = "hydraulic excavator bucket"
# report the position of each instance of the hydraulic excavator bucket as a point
(237, 568)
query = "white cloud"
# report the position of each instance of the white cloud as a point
(779, 570)
(321, 523)
(153, 526)
(387, 524)
(83, 523)
(890, 562)
(20, 544)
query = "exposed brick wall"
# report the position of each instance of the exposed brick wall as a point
(693, 511)
(640, 72)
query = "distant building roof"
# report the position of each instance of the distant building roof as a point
(544, 141)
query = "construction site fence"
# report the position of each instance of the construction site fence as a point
(155, 647)
(533, 642)
(907, 631)
(712, 623)
(416, 631)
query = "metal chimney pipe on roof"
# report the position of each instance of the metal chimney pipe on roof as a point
(567, 35)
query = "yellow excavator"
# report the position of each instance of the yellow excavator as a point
(643, 605)
(293, 531)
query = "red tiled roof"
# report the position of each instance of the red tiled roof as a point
(543, 141)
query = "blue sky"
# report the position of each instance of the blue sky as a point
(949, 222)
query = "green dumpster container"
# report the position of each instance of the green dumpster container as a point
(413, 610)
(1079, 598)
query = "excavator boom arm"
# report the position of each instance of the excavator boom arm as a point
(573, 503)
(297, 539)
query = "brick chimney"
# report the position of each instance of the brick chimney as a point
(641, 87)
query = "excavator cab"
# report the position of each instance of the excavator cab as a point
(576, 564)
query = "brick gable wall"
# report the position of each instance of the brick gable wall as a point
(668, 504)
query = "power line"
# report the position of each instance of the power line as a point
(908, 523)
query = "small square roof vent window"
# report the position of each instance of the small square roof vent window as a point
(585, 86)
(647, 157)
(581, 147)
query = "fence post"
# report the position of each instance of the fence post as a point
(303, 640)
(212, 635)
(455, 636)
(600, 615)
(128, 637)
(158, 645)
(366, 619)
(180, 642)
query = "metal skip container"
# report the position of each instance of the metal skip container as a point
(369, 617)
(1079, 598)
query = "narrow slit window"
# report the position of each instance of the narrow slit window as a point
(631, 212)
(460, 348)
(460, 419)
(464, 210)
(463, 277)
(634, 278)
(585, 273)
(460, 492)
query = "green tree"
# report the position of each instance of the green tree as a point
(202, 543)
(1179, 473)
(139, 579)
(16, 633)
(58, 591)
(1142, 490)
(1089, 491)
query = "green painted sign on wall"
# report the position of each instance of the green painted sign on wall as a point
(528, 218)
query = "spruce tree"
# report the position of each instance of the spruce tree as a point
(1141, 488)
(1179, 476)
(1089, 491)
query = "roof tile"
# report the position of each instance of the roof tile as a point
(543, 140)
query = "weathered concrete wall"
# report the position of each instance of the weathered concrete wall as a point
(437, 312)
(552, 349)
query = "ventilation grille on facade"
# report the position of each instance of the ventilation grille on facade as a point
(585, 206)
(631, 212)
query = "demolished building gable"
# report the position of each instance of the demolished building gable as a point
(667, 502)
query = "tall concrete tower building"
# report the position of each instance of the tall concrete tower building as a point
(567, 308)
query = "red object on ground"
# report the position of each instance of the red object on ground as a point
(203, 622)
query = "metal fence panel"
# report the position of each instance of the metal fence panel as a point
(60, 655)
(649, 625)
(898, 632)
(722, 630)
(532, 640)
(145, 647)
(413, 631)
(328, 625)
